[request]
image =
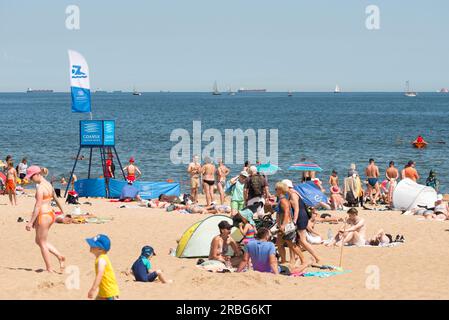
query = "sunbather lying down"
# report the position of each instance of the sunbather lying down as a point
(381, 238)
(212, 209)
(69, 219)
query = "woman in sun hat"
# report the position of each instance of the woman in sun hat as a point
(43, 215)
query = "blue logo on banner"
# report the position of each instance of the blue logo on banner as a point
(91, 133)
(109, 132)
(77, 73)
(80, 100)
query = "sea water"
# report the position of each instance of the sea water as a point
(333, 130)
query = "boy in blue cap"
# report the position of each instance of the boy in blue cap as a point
(142, 269)
(105, 282)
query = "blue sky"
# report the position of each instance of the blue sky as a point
(182, 45)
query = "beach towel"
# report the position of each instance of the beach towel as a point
(214, 266)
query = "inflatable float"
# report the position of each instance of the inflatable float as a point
(419, 145)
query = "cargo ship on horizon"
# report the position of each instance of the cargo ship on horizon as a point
(243, 90)
(29, 90)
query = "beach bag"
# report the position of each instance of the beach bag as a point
(72, 198)
(350, 198)
(256, 185)
(229, 188)
(289, 228)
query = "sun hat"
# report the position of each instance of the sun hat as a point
(148, 251)
(131, 159)
(248, 215)
(100, 241)
(244, 173)
(288, 183)
(31, 171)
(253, 169)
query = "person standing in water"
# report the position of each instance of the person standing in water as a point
(208, 171)
(222, 173)
(372, 174)
(23, 168)
(392, 175)
(11, 178)
(43, 216)
(131, 169)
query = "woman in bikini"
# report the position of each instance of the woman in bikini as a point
(208, 171)
(222, 173)
(43, 216)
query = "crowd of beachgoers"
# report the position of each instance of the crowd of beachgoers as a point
(277, 227)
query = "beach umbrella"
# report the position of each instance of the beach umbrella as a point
(305, 166)
(267, 168)
(310, 194)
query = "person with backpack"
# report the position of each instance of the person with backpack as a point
(256, 188)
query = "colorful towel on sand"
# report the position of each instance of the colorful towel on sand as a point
(324, 274)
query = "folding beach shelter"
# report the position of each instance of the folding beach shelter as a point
(409, 195)
(195, 242)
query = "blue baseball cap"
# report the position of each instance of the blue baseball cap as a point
(148, 251)
(100, 241)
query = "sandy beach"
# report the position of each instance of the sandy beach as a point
(401, 268)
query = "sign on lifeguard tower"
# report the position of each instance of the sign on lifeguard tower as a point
(97, 133)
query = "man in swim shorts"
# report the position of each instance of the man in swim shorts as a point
(194, 170)
(392, 175)
(372, 174)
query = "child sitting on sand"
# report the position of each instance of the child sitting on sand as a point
(142, 269)
(105, 282)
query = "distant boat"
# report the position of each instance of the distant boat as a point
(29, 90)
(136, 93)
(444, 90)
(230, 92)
(215, 91)
(117, 91)
(409, 93)
(100, 91)
(243, 90)
(290, 94)
(337, 89)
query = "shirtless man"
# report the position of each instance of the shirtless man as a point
(208, 171)
(222, 173)
(11, 178)
(353, 232)
(220, 245)
(194, 170)
(131, 170)
(410, 172)
(392, 175)
(372, 174)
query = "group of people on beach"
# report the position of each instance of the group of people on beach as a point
(252, 208)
